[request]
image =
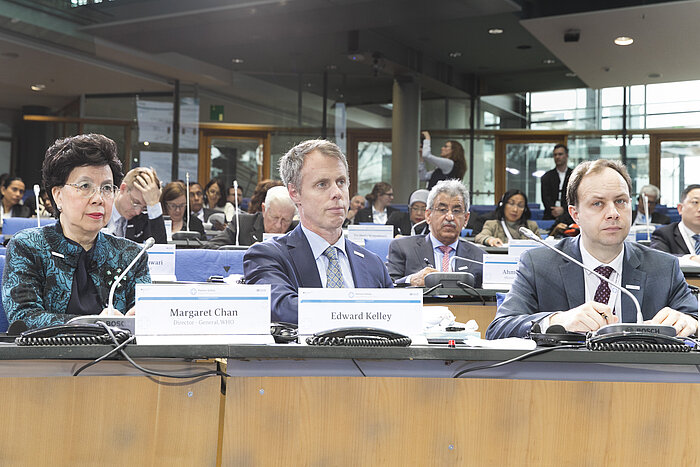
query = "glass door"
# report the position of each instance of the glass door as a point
(236, 159)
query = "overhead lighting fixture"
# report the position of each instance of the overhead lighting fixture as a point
(654, 75)
(570, 74)
(455, 54)
(495, 31)
(38, 87)
(237, 61)
(549, 61)
(538, 173)
(146, 143)
(512, 171)
(623, 40)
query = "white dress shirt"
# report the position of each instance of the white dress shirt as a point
(687, 235)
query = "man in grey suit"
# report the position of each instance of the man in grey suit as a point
(550, 290)
(412, 258)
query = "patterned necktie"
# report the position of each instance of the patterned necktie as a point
(602, 293)
(445, 257)
(697, 243)
(334, 276)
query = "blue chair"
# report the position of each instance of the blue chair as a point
(500, 296)
(12, 225)
(199, 265)
(2, 252)
(545, 225)
(533, 206)
(3, 317)
(400, 207)
(536, 214)
(466, 233)
(379, 246)
(479, 209)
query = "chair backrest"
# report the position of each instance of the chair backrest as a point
(400, 207)
(3, 316)
(545, 225)
(199, 265)
(379, 246)
(12, 225)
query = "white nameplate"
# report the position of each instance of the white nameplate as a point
(518, 247)
(161, 262)
(359, 233)
(397, 310)
(499, 271)
(169, 314)
(269, 236)
(168, 229)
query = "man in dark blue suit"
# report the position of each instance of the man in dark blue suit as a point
(551, 290)
(314, 254)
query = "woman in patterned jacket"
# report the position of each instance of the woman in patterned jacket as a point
(57, 272)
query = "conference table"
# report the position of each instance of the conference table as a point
(302, 405)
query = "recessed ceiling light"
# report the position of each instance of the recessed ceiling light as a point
(654, 75)
(495, 31)
(570, 74)
(237, 61)
(523, 47)
(549, 61)
(38, 87)
(623, 40)
(455, 54)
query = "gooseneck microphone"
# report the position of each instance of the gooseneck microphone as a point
(187, 188)
(413, 229)
(531, 235)
(235, 198)
(647, 217)
(36, 196)
(146, 245)
(452, 261)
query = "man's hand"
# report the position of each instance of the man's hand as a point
(146, 184)
(426, 135)
(111, 312)
(557, 211)
(695, 258)
(685, 325)
(418, 279)
(559, 229)
(588, 317)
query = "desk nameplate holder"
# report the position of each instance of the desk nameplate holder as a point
(161, 263)
(499, 271)
(359, 233)
(397, 310)
(168, 314)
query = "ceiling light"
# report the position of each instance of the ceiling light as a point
(237, 61)
(538, 173)
(549, 61)
(570, 74)
(38, 87)
(455, 54)
(495, 31)
(512, 171)
(146, 143)
(623, 40)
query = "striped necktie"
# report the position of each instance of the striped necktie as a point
(696, 237)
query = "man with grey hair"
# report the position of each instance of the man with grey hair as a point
(653, 197)
(412, 258)
(276, 217)
(314, 254)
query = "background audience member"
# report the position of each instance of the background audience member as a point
(682, 238)
(57, 272)
(554, 183)
(511, 214)
(12, 191)
(213, 198)
(197, 203)
(233, 203)
(653, 196)
(379, 200)
(451, 163)
(403, 222)
(276, 217)
(174, 202)
(357, 202)
(256, 201)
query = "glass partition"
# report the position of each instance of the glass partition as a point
(680, 167)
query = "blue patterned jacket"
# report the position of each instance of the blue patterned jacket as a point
(39, 268)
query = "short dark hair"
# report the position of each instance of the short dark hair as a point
(91, 150)
(587, 167)
(222, 197)
(687, 190)
(561, 145)
(500, 209)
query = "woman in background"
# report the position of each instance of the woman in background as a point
(379, 199)
(256, 201)
(450, 164)
(511, 214)
(173, 199)
(213, 195)
(12, 191)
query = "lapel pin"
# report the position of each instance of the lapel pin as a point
(632, 287)
(358, 254)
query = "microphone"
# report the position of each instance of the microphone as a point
(647, 217)
(17, 328)
(146, 245)
(531, 235)
(413, 229)
(187, 187)
(36, 195)
(235, 198)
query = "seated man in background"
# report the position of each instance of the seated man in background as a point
(412, 258)
(314, 254)
(653, 197)
(276, 216)
(682, 238)
(140, 189)
(357, 202)
(551, 290)
(404, 222)
(197, 203)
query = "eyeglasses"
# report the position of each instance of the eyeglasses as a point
(514, 205)
(456, 212)
(88, 190)
(389, 194)
(136, 204)
(175, 207)
(417, 209)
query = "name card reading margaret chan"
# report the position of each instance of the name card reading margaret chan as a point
(398, 310)
(202, 314)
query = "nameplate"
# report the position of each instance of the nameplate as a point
(359, 233)
(398, 310)
(499, 271)
(169, 314)
(161, 262)
(518, 247)
(168, 229)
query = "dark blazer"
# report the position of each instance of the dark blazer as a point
(403, 225)
(407, 255)
(546, 282)
(252, 229)
(669, 239)
(365, 214)
(550, 191)
(195, 226)
(656, 217)
(288, 263)
(140, 227)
